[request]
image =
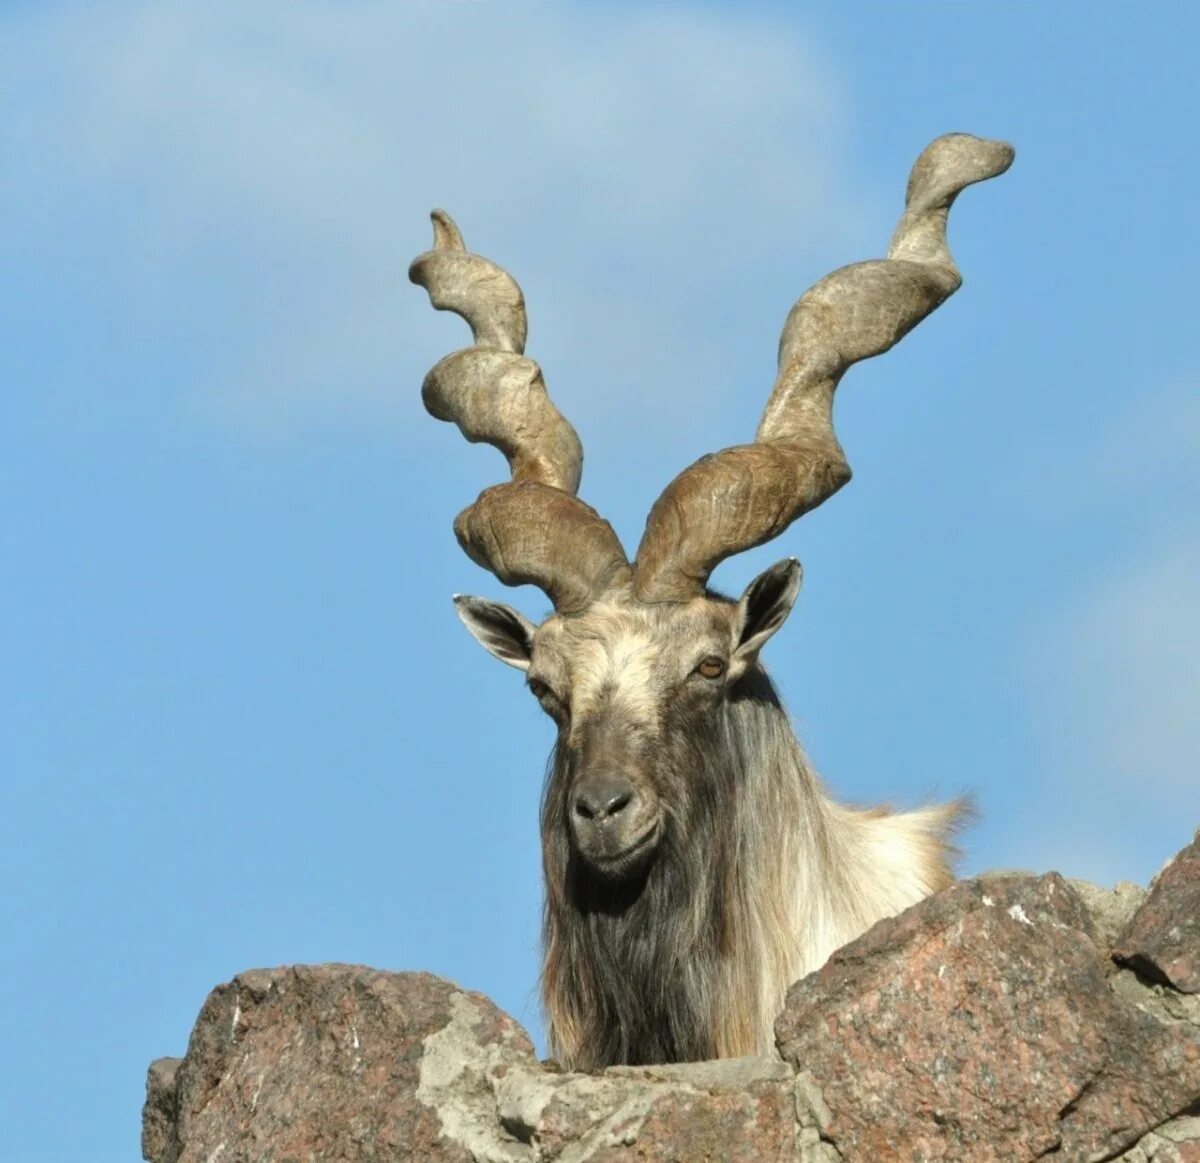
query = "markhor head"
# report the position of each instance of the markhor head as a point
(635, 690)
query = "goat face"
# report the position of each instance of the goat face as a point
(634, 689)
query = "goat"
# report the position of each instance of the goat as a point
(695, 866)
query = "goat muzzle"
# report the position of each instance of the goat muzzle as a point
(614, 825)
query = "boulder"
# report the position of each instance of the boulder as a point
(1175, 1142)
(740, 1110)
(980, 1024)
(332, 1063)
(1109, 908)
(1162, 939)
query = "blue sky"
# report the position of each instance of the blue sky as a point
(243, 726)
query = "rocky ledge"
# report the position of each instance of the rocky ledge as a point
(1011, 1017)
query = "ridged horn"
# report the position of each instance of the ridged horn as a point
(533, 529)
(744, 496)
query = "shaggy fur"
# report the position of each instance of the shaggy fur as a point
(758, 877)
(674, 926)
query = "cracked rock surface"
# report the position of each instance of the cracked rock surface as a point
(1010, 1017)
(1162, 939)
(335, 1062)
(981, 1024)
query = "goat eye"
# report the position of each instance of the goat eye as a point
(711, 667)
(550, 702)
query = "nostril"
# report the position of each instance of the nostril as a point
(601, 799)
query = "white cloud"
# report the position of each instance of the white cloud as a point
(283, 157)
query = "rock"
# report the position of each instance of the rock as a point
(738, 1109)
(979, 1024)
(1109, 908)
(337, 1062)
(160, 1112)
(1156, 999)
(813, 1118)
(986, 1023)
(1162, 940)
(1175, 1142)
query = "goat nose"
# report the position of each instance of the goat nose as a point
(602, 797)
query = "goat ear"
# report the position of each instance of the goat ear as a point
(765, 605)
(499, 629)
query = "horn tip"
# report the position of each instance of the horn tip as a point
(954, 161)
(446, 235)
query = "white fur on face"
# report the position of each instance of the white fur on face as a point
(618, 674)
(628, 658)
